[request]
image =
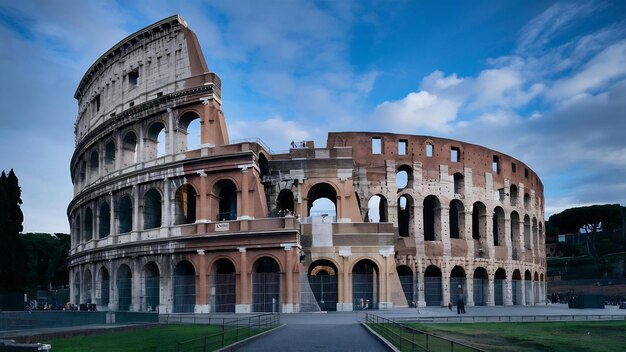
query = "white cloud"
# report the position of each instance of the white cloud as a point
(608, 65)
(418, 110)
(275, 132)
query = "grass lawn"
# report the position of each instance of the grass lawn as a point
(161, 339)
(548, 336)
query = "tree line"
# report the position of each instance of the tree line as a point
(27, 261)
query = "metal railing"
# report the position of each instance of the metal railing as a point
(232, 330)
(409, 339)
(510, 318)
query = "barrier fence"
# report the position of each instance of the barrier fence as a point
(232, 330)
(410, 339)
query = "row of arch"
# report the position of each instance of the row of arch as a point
(128, 212)
(138, 144)
(404, 180)
(116, 291)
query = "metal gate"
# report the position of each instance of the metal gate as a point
(517, 292)
(364, 291)
(152, 290)
(324, 288)
(184, 293)
(480, 291)
(266, 292)
(432, 291)
(455, 283)
(223, 292)
(104, 293)
(407, 286)
(124, 294)
(498, 290)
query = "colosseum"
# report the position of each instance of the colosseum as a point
(162, 222)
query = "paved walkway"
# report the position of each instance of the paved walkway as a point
(318, 332)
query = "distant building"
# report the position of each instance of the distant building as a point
(159, 224)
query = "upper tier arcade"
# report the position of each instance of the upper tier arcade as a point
(161, 60)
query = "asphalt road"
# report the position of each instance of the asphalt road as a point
(318, 332)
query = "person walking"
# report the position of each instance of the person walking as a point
(460, 305)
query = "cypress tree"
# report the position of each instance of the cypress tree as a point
(12, 250)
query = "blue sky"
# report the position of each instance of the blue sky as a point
(542, 81)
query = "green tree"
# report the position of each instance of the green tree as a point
(589, 221)
(46, 259)
(12, 252)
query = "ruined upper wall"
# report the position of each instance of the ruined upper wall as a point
(161, 59)
(479, 159)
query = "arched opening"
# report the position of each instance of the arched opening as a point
(224, 285)
(459, 183)
(109, 156)
(479, 225)
(88, 225)
(129, 149)
(284, 203)
(433, 294)
(94, 163)
(456, 218)
(526, 201)
(189, 132)
(406, 280)
(226, 192)
(528, 287)
(404, 177)
(266, 286)
(155, 142)
(152, 209)
(457, 285)
(526, 231)
(498, 287)
(105, 286)
(481, 287)
(77, 235)
(124, 283)
(77, 288)
(513, 195)
(125, 214)
(263, 166)
(536, 296)
(184, 287)
(151, 287)
(498, 226)
(377, 209)
(515, 236)
(104, 220)
(431, 218)
(83, 172)
(365, 280)
(323, 281)
(322, 200)
(405, 215)
(517, 285)
(87, 283)
(185, 200)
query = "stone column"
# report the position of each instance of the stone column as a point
(288, 306)
(171, 135)
(346, 303)
(141, 145)
(491, 292)
(508, 291)
(136, 217)
(243, 305)
(113, 228)
(202, 296)
(137, 297)
(203, 213)
(166, 203)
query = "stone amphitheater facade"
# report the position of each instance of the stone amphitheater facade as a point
(161, 224)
